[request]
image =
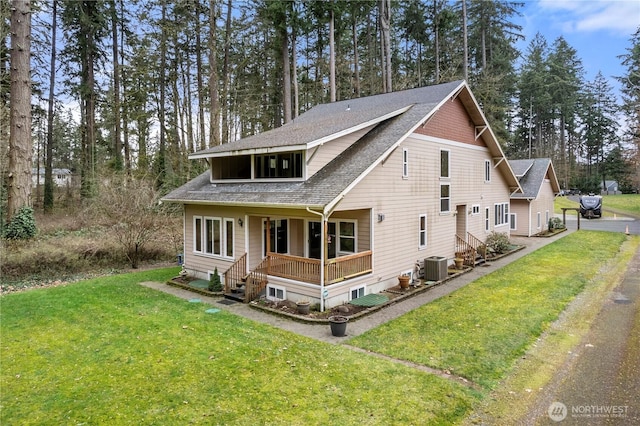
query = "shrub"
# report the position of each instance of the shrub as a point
(214, 281)
(498, 242)
(555, 223)
(22, 225)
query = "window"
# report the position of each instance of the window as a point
(276, 293)
(487, 171)
(347, 237)
(357, 292)
(539, 219)
(281, 165)
(444, 163)
(475, 209)
(501, 214)
(546, 218)
(445, 197)
(405, 163)
(422, 231)
(512, 222)
(279, 236)
(211, 237)
(487, 220)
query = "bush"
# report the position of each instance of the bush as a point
(214, 282)
(498, 242)
(22, 225)
(555, 223)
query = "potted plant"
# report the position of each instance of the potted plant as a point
(459, 262)
(338, 325)
(404, 281)
(303, 306)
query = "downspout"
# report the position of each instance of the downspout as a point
(322, 254)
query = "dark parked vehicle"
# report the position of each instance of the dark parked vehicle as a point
(591, 206)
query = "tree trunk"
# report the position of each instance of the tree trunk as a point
(436, 41)
(214, 119)
(465, 47)
(286, 76)
(48, 168)
(20, 144)
(117, 140)
(332, 57)
(385, 28)
(200, 82)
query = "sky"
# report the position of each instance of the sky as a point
(599, 30)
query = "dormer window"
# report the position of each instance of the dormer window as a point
(283, 165)
(280, 165)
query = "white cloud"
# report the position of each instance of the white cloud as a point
(621, 17)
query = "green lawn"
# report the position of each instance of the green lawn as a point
(108, 351)
(479, 331)
(623, 203)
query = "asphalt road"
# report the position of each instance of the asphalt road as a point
(618, 223)
(601, 386)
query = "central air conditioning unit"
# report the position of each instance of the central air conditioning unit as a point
(435, 268)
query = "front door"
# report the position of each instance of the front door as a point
(461, 221)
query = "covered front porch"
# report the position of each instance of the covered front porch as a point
(304, 250)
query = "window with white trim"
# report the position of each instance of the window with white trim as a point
(356, 292)
(347, 237)
(276, 293)
(501, 214)
(422, 231)
(444, 163)
(475, 209)
(213, 236)
(546, 217)
(405, 163)
(539, 219)
(512, 222)
(445, 197)
(487, 171)
(487, 219)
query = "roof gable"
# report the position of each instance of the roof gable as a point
(401, 114)
(532, 174)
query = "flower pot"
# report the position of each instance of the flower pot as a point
(404, 281)
(459, 262)
(303, 308)
(338, 325)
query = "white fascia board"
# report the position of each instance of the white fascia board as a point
(356, 128)
(242, 204)
(249, 151)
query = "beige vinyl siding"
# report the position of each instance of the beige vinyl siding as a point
(206, 262)
(521, 209)
(320, 156)
(402, 201)
(527, 211)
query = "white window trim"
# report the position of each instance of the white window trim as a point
(422, 231)
(513, 221)
(539, 219)
(475, 209)
(358, 288)
(339, 250)
(448, 164)
(405, 163)
(448, 198)
(223, 236)
(487, 171)
(487, 219)
(276, 288)
(501, 217)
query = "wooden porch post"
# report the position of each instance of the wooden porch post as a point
(268, 249)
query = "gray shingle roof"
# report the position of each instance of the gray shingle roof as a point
(325, 120)
(531, 173)
(324, 187)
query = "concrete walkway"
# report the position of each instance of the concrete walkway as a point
(354, 328)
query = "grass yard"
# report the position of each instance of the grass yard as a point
(623, 202)
(479, 331)
(108, 351)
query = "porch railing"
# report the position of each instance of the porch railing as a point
(470, 248)
(235, 275)
(308, 270)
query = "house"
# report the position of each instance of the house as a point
(610, 187)
(532, 208)
(61, 177)
(341, 201)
